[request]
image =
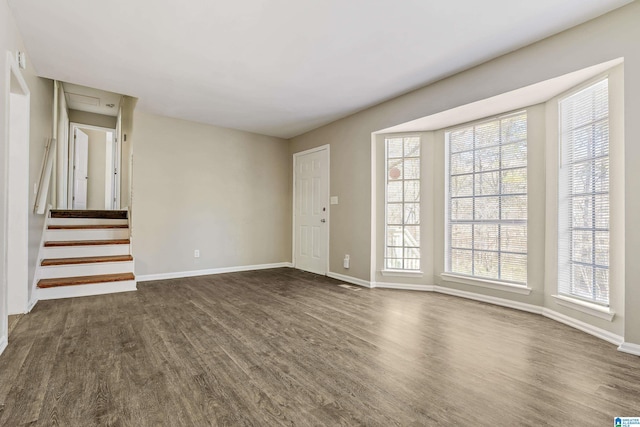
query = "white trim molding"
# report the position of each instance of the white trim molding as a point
(194, 273)
(3, 344)
(33, 302)
(350, 279)
(516, 305)
(405, 286)
(484, 283)
(631, 348)
(583, 326)
(36, 274)
(585, 307)
(86, 290)
(530, 308)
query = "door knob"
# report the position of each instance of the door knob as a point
(323, 220)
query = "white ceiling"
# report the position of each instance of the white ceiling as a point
(499, 104)
(97, 101)
(278, 67)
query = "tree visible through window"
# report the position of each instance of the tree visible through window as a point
(584, 195)
(402, 231)
(487, 200)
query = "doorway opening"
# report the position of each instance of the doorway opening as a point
(94, 159)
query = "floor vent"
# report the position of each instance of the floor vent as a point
(351, 287)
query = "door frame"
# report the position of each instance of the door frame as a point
(327, 149)
(71, 161)
(15, 197)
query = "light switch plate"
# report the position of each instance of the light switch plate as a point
(334, 200)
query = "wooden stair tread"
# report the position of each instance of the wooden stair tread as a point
(85, 260)
(84, 280)
(62, 213)
(87, 226)
(87, 242)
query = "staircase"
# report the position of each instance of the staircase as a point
(85, 253)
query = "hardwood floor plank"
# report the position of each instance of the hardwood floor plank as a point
(65, 243)
(83, 280)
(29, 385)
(87, 227)
(284, 347)
(62, 213)
(85, 260)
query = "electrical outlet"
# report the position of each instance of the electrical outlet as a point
(346, 261)
(196, 253)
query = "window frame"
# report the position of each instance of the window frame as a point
(402, 271)
(564, 258)
(494, 283)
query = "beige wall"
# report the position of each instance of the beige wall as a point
(41, 95)
(93, 119)
(96, 168)
(611, 36)
(222, 191)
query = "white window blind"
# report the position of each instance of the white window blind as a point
(583, 235)
(487, 200)
(402, 203)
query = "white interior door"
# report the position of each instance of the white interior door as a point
(80, 169)
(311, 200)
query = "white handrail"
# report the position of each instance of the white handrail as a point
(45, 178)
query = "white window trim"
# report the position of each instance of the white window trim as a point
(402, 273)
(586, 307)
(392, 272)
(489, 284)
(569, 301)
(475, 280)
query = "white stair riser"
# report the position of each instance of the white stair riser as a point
(91, 234)
(87, 221)
(75, 270)
(82, 251)
(86, 290)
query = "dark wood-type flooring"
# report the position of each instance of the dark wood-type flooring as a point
(284, 347)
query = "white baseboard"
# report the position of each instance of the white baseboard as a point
(631, 348)
(32, 304)
(530, 308)
(86, 290)
(3, 344)
(349, 279)
(194, 273)
(582, 326)
(405, 286)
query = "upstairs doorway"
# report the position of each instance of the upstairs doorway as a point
(94, 164)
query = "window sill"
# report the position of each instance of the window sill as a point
(401, 273)
(489, 284)
(585, 307)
